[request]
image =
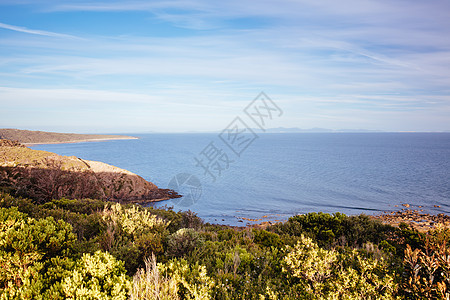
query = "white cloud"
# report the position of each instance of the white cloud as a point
(36, 32)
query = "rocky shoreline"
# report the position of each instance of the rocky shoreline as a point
(417, 219)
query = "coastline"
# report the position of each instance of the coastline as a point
(82, 141)
(420, 221)
(45, 175)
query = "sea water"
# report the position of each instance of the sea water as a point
(276, 176)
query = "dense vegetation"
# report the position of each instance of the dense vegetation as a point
(91, 249)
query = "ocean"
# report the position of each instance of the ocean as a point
(270, 176)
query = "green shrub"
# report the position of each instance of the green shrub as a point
(80, 206)
(328, 274)
(34, 254)
(23, 205)
(266, 238)
(133, 220)
(177, 220)
(132, 233)
(84, 215)
(47, 249)
(182, 242)
(99, 276)
(410, 236)
(190, 219)
(336, 229)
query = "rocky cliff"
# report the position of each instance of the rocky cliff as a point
(44, 176)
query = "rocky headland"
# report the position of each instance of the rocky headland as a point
(43, 176)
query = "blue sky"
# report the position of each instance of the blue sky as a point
(168, 66)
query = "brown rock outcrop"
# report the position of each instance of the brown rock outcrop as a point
(9, 143)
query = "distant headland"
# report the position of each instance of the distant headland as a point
(43, 176)
(29, 137)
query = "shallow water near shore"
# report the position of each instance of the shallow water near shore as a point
(280, 175)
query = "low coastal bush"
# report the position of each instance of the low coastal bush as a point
(173, 280)
(91, 249)
(35, 255)
(427, 269)
(98, 276)
(183, 241)
(336, 229)
(330, 274)
(132, 234)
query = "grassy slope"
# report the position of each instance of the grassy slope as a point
(22, 156)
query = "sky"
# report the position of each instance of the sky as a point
(194, 65)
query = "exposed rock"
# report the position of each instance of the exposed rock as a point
(9, 143)
(420, 221)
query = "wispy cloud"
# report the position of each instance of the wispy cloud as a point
(325, 61)
(111, 6)
(37, 32)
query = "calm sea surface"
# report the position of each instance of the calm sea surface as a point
(279, 175)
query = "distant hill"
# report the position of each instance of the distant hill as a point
(43, 137)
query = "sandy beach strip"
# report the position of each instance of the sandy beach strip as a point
(82, 141)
